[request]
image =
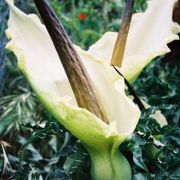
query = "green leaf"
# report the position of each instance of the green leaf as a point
(137, 158)
(73, 162)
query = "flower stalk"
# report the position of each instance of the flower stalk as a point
(109, 164)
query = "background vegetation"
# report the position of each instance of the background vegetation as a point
(35, 146)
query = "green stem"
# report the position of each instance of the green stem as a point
(109, 164)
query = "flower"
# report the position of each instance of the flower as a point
(37, 58)
(82, 16)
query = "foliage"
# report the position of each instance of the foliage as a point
(38, 147)
(3, 18)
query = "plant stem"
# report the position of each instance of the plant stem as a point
(108, 163)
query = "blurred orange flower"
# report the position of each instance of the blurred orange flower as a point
(82, 16)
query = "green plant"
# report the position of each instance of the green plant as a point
(39, 172)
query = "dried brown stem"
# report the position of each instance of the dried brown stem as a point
(75, 70)
(119, 48)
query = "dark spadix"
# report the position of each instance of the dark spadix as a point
(75, 70)
(120, 45)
